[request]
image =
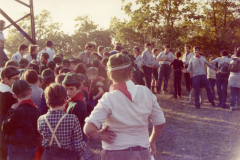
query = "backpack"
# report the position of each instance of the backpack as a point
(223, 69)
(234, 66)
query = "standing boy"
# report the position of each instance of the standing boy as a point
(138, 58)
(44, 60)
(49, 50)
(156, 65)
(20, 124)
(22, 49)
(86, 57)
(147, 64)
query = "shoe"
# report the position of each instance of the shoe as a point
(213, 104)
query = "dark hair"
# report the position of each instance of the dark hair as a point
(118, 44)
(107, 54)
(100, 48)
(95, 54)
(148, 44)
(49, 43)
(118, 48)
(59, 78)
(88, 45)
(178, 54)
(23, 62)
(166, 46)
(121, 75)
(55, 95)
(104, 61)
(24, 94)
(57, 58)
(95, 63)
(64, 70)
(238, 53)
(77, 85)
(196, 47)
(154, 50)
(51, 65)
(138, 49)
(80, 68)
(57, 69)
(32, 48)
(65, 63)
(31, 76)
(22, 47)
(187, 46)
(125, 52)
(45, 55)
(1, 24)
(92, 71)
(77, 61)
(224, 53)
(49, 80)
(11, 63)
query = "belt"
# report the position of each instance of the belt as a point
(130, 149)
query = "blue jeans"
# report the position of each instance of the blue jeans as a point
(222, 84)
(197, 82)
(235, 95)
(212, 83)
(16, 153)
(165, 71)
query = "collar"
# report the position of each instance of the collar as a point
(138, 55)
(29, 101)
(78, 97)
(5, 88)
(19, 54)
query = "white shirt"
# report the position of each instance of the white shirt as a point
(164, 55)
(186, 58)
(128, 120)
(16, 57)
(100, 55)
(139, 62)
(2, 38)
(211, 73)
(221, 60)
(47, 50)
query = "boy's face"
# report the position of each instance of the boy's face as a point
(187, 49)
(12, 80)
(72, 91)
(91, 77)
(149, 48)
(156, 53)
(167, 49)
(24, 51)
(71, 67)
(196, 51)
(36, 51)
(89, 50)
(41, 58)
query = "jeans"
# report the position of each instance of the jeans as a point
(197, 82)
(148, 75)
(212, 83)
(188, 81)
(59, 154)
(165, 71)
(16, 153)
(222, 84)
(235, 95)
(177, 83)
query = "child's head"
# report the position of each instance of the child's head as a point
(224, 53)
(80, 68)
(95, 63)
(89, 48)
(12, 63)
(178, 54)
(148, 46)
(167, 48)
(23, 48)
(106, 55)
(56, 96)
(21, 90)
(51, 65)
(33, 49)
(72, 63)
(64, 70)
(155, 51)
(9, 75)
(196, 50)
(95, 55)
(31, 76)
(40, 82)
(136, 50)
(104, 61)
(66, 63)
(101, 49)
(83, 79)
(57, 59)
(57, 69)
(119, 74)
(44, 56)
(187, 48)
(92, 73)
(118, 48)
(49, 44)
(59, 78)
(23, 62)
(48, 76)
(72, 83)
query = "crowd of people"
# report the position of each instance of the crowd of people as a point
(51, 105)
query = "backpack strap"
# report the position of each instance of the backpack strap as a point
(55, 130)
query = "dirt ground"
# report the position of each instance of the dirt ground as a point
(191, 134)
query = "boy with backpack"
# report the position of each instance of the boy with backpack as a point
(222, 77)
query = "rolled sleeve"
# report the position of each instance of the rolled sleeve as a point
(100, 113)
(157, 115)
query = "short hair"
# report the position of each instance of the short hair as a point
(59, 78)
(51, 65)
(224, 53)
(238, 53)
(1, 24)
(23, 62)
(64, 70)
(138, 49)
(72, 60)
(118, 48)
(178, 54)
(80, 68)
(166, 46)
(45, 55)
(92, 71)
(77, 85)
(57, 58)
(65, 63)
(196, 47)
(31, 76)
(57, 69)
(88, 45)
(95, 63)
(11, 63)
(148, 44)
(187, 46)
(106, 54)
(104, 61)
(49, 43)
(154, 50)
(78, 60)
(121, 75)
(24, 94)
(32, 48)
(125, 52)
(100, 48)
(94, 53)
(55, 95)
(22, 47)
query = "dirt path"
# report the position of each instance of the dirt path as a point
(191, 134)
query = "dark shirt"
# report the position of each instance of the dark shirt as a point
(177, 64)
(43, 105)
(6, 102)
(43, 65)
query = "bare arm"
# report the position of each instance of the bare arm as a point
(157, 130)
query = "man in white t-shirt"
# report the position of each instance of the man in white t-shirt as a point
(22, 49)
(49, 50)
